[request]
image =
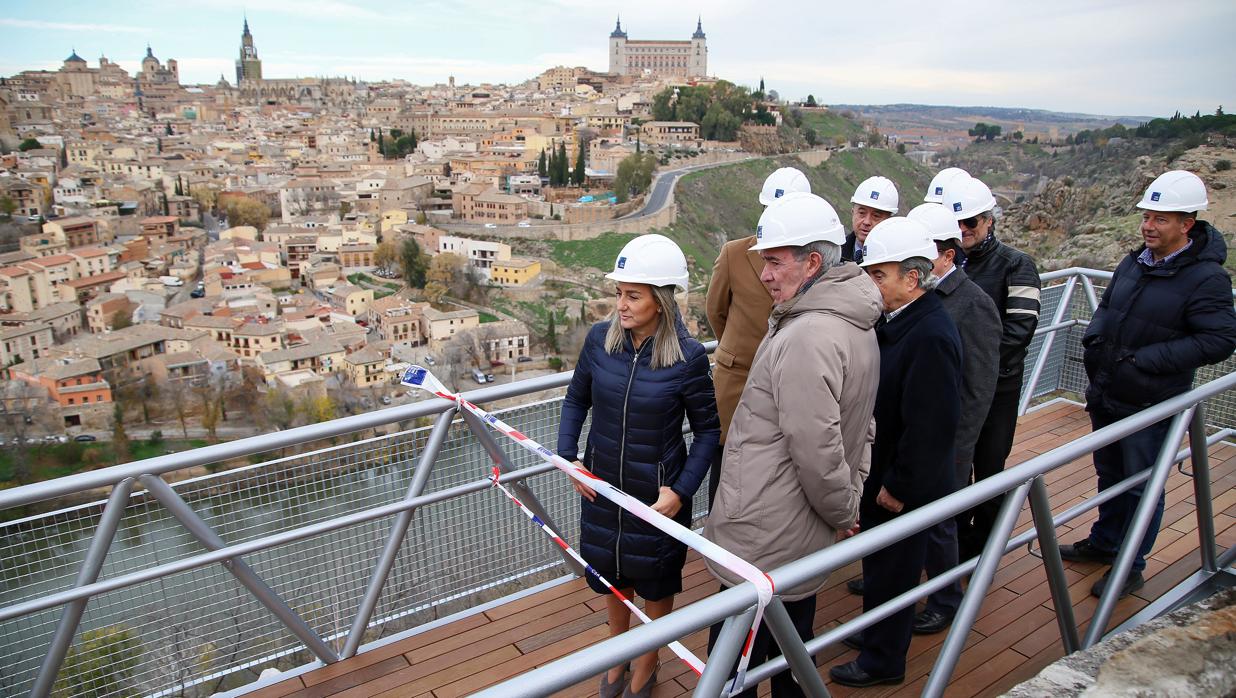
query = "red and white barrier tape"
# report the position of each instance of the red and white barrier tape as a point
(683, 653)
(420, 377)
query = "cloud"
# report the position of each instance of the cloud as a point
(304, 9)
(72, 27)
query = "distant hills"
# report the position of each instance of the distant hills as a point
(917, 118)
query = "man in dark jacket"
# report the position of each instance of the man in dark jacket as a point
(917, 409)
(1166, 312)
(978, 324)
(1010, 277)
(874, 201)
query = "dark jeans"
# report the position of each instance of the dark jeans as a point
(994, 444)
(888, 573)
(714, 474)
(1113, 463)
(764, 647)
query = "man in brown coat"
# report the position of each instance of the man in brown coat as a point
(738, 306)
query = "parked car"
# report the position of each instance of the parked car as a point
(386, 399)
(491, 225)
(524, 224)
(84, 437)
(429, 360)
(478, 376)
(524, 359)
(197, 293)
(489, 378)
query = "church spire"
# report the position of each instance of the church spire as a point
(699, 28)
(618, 33)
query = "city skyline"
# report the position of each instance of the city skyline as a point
(1143, 62)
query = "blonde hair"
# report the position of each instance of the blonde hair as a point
(666, 350)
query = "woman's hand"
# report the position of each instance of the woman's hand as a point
(584, 491)
(668, 503)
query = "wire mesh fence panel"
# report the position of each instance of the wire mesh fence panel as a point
(198, 629)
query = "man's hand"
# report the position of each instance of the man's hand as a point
(889, 502)
(668, 503)
(849, 532)
(584, 491)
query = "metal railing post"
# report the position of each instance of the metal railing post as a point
(1091, 296)
(399, 529)
(92, 564)
(724, 655)
(1053, 565)
(1201, 490)
(793, 649)
(1066, 298)
(503, 462)
(1151, 492)
(238, 567)
(980, 581)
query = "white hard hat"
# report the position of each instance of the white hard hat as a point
(797, 219)
(939, 223)
(968, 198)
(784, 181)
(896, 240)
(651, 259)
(876, 192)
(1178, 190)
(935, 190)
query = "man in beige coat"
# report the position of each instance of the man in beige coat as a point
(798, 443)
(738, 306)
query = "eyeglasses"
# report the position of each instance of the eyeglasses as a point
(971, 222)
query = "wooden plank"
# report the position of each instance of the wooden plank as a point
(353, 678)
(1016, 633)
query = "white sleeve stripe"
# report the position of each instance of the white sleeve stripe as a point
(1010, 311)
(1024, 292)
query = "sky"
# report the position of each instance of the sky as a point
(1109, 57)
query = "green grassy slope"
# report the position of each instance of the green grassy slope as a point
(721, 204)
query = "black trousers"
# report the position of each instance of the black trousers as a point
(888, 573)
(714, 474)
(995, 442)
(764, 647)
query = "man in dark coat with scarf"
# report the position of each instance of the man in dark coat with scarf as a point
(1166, 312)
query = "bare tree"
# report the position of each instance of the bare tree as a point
(23, 412)
(177, 396)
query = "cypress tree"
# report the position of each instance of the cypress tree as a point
(541, 166)
(578, 179)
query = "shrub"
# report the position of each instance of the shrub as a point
(101, 664)
(1223, 165)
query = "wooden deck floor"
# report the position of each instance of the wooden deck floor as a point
(1015, 635)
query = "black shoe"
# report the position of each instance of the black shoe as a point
(855, 586)
(1085, 551)
(1131, 584)
(851, 674)
(930, 622)
(854, 642)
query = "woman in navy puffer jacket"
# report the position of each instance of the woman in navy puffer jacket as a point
(639, 373)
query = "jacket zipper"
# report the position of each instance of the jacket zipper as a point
(622, 458)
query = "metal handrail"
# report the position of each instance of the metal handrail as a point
(731, 602)
(614, 651)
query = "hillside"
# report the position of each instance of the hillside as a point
(1075, 206)
(721, 204)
